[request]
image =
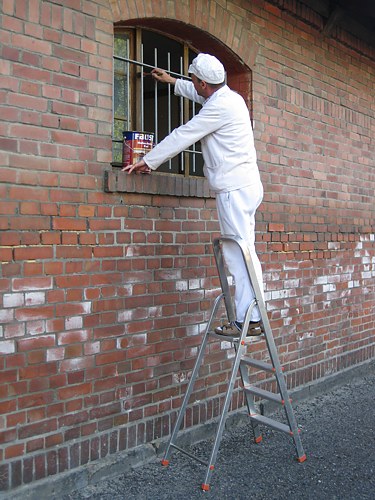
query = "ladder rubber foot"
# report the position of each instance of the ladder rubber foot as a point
(205, 487)
(301, 459)
(258, 439)
(165, 462)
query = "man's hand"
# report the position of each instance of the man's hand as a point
(162, 76)
(138, 168)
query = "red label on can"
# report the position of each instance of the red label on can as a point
(135, 146)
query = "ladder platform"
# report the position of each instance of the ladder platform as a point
(262, 393)
(255, 363)
(229, 338)
(269, 422)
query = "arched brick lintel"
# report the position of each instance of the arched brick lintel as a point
(207, 20)
(239, 75)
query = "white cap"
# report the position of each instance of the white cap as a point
(207, 68)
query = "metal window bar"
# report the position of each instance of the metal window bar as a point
(193, 151)
(169, 103)
(182, 115)
(142, 94)
(156, 120)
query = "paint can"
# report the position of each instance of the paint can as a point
(135, 146)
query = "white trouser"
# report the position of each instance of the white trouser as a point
(236, 211)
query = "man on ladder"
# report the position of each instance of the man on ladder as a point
(224, 128)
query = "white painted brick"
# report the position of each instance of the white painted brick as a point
(335, 278)
(202, 327)
(32, 284)
(353, 284)
(194, 284)
(228, 346)
(320, 280)
(13, 299)
(192, 330)
(6, 315)
(7, 347)
(170, 274)
(366, 275)
(35, 298)
(36, 327)
(329, 288)
(282, 294)
(86, 307)
(73, 323)
(292, 283)
(332, 245)
(55, 354)
(14, 330)
(94, 347)
(124, 316)
(155, 312)
(181, 286)
(178, 378)
(128, 290)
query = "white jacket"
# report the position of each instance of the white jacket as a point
(224, 128)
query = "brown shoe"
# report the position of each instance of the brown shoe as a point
(234, 329)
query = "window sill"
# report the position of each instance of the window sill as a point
(156, 183)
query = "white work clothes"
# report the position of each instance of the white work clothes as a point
(236, 210)
(224, 128)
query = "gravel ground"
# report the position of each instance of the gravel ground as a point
(338, 435)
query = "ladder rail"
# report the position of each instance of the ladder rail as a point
(191, 383)
(269, 338)
(236, 365)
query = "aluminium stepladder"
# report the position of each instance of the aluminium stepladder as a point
(241, 363)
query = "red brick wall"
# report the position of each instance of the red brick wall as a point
(104, 295)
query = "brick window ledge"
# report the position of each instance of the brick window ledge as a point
(157, 183)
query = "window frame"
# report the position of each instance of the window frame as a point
(187, 160)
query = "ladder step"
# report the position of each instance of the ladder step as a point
(227, 338)
(258, 364)
(185, 452)
(274, 424)
(256, 391)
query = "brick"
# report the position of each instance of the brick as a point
(38, 428)
(4, 476)
(9, 144)
(33, 253)
(14, 451)
(79, 363)
(7, 436)
(75, 391)
(31, 284)
(7, 347)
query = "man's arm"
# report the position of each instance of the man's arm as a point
(162, 76)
